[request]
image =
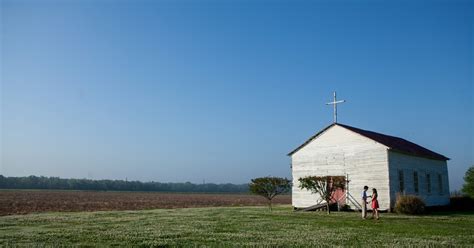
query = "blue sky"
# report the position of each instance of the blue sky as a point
(221, 91)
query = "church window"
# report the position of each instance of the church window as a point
(415, 182)
(401, 181)
(428, 183)
(440, 184)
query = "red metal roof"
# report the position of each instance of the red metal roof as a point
(394, 143)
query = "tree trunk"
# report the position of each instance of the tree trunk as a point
(327, 206)
(270, 204)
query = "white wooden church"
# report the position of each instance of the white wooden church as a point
(390, 164)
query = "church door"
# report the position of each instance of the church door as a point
(339, 196)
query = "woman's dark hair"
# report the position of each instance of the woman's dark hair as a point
(374, 190)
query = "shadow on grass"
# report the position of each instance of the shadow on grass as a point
(449, 213)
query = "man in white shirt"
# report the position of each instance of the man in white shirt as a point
(364, 202)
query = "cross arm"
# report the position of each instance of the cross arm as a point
(341, 101)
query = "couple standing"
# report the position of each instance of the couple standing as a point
(375, 203)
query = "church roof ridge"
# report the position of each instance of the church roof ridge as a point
(393, 143)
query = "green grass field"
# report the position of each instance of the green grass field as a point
(234, 226)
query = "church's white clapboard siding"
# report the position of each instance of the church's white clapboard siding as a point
(339, 151)
(425, 169)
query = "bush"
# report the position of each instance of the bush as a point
(409, 204)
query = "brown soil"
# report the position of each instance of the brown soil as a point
(26, 201)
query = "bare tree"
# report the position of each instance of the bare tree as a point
(325, 186)
(269, 187)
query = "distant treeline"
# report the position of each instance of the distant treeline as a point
(34, 182)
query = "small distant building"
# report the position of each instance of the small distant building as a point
(390, 164)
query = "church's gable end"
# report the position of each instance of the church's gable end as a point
(342, 131)
(337, 151)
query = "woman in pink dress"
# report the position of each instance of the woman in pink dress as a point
(375, 204)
